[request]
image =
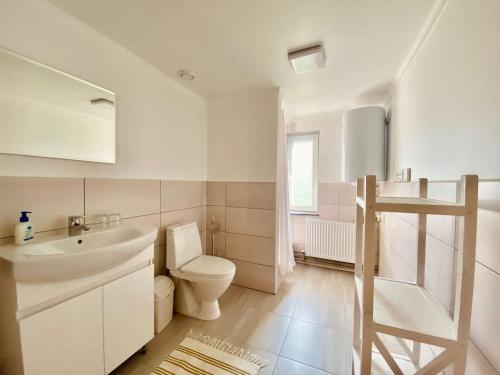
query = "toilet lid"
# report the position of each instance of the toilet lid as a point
(210, 267)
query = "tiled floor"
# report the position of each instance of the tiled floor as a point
(304, 329)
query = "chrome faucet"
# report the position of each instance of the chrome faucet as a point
(75, 226)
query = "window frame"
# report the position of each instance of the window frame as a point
(291, 138)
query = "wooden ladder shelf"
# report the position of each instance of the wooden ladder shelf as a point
(408, 310)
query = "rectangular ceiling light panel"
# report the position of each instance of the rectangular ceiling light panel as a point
(307, 60)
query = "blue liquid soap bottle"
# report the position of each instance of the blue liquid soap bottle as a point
(24, 229)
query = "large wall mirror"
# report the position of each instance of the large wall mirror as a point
(48, 113)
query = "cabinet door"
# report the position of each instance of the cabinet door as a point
(66, 338)
(128, 316)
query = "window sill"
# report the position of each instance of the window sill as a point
(308, 213)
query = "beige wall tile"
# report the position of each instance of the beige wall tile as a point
(328, 212)
(485, 325)
(298, 218)
(160, 261)
(181, 216)
(203, 236)
(216, 193)
(39, 235)
(203, 217)
(220, 244)
(347, 213)
(7, 240)
(219, 214)
(52, 200)
(255, 222)
(147, 221)
(251, 194)
(254, 276)
(347, 196)
(328, 193)
(260, 250)
(488, 224)
(299, 232)
(127, 197)
(177, 195)
(204, 193)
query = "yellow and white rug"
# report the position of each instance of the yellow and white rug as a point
(203, 355)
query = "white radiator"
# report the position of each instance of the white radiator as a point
(333, 240)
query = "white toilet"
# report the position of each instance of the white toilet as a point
(199, 279)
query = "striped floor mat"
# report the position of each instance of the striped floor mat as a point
(203, 355)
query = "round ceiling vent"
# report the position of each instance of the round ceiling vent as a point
(186, 75)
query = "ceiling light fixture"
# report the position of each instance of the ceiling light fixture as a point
(186, 75)
(307, 59)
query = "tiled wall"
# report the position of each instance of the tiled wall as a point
(336, 201)
(245, 212)
(398, 255)
(140, 202)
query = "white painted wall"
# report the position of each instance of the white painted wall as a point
(446, 112)
(446, 122)
(161, 126)
(242, 136)
(330, 144)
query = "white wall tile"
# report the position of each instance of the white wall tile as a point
(442, 227)
(485, 325)
(439, 269)
(488, 225)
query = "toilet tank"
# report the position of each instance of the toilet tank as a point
(183, 245)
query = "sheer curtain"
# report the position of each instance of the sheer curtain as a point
(286, 261)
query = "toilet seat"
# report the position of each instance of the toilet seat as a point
(207, 267)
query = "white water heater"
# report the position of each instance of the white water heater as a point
(364, 143)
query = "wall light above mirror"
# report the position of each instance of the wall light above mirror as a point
(47, 113)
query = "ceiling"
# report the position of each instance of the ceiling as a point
(241, 45)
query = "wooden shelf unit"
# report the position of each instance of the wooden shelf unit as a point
(408, 310)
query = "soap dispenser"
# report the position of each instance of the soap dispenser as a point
(24, 229)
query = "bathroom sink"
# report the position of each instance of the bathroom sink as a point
(70, 257)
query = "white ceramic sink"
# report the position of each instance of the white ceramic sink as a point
(63, 258)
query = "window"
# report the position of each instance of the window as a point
(303, 171)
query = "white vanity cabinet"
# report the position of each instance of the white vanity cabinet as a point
(128, 316)
(66, 338)
(93, 332)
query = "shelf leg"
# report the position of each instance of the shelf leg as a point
(366, 354)
(356, 340)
